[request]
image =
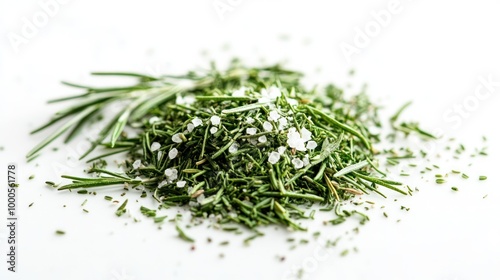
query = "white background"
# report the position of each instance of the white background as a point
(431, 52)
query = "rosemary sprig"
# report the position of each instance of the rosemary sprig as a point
(249, 146)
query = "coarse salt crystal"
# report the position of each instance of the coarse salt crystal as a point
(189, 99)
(177, 138)
(173, 153)
(200, 198)
(251, 130)
(181, 184)
(152, 120)
(239, 92)
(311, 145)
(136, 164)
(233, 148)
(274, 92)
(215, 120)
(281, 149)
(269, 94)
(273, 116)
(197, 122)
(283, 121)
(306, 134)
(155, 146)
(292, 101)
(213, 130)
(267, 126)
(185, 100)
(250, 120)
(171, 173)
(297, 163)
(274, 157)
(262, 139)
(190, 127)
(305, 160)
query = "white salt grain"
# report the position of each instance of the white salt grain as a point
(306, 134)
(274, 157)
(267, 126)
(173, 153)
(273, 116)
(305, 160)
(297, 163)
(215, 120)
(250, 120)
(190, 127)
(262, 139)
(152, 120)
(155, 146)
(282, 123)
(177, 138)
(239, 92)
(281, 149)
(181, 184)
(251, 130)
(213, 130)
(197, 122)
(311, 145)
(136, 164)
(171, 174)
(233, 148)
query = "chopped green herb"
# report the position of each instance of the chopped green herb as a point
(121, 210)
(182, 235)
(148, 212)
(245, 147)
(159, 219)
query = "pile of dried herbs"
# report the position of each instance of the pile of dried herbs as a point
(247, 145)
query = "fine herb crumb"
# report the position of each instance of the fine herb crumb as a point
(60, 232)
(482, 178)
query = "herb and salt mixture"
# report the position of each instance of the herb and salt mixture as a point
(250, 146)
